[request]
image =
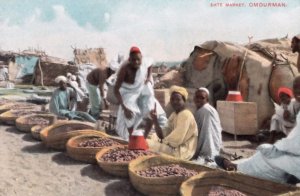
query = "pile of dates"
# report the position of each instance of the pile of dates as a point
(22, 112)
(221, 191)
(167, 170)
(124, 155)
(34, 120)
(98, 143)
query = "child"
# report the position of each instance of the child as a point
(285, 114)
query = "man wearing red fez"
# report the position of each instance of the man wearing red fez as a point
(285, 114)
(134, 91)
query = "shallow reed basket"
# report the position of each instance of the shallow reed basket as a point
(159, 185)
(17, 105)
(35, 131)
(56, 136)
(84, 154)
(24, 126)
(115, 168)
(10, 117)
(202, 183)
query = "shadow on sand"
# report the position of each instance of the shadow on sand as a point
(96, 173)
(37, 148)
(63, 159)
(121, 187)
(13, 130)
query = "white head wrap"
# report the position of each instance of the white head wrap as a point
(60, 78)
(73, 77)
(69, 75)
(204, 89)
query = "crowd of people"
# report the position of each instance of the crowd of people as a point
(185, 135)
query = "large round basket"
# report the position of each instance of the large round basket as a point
(23, 125)
(56, 136)
(10, 117)
(115, 168)
(17, 105)
(159, 185)
(35, 131)
(84, 154)
(204, 183)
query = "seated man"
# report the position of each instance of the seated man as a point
(63, 100)
(179, 136)
(209, 127)
(285, 115)
(277, 162)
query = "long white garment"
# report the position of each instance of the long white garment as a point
(275, 162)
(278, 123)
(138, 97)
(210, 137)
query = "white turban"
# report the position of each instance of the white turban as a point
(60, 78)
(204, 89)
(73, 77)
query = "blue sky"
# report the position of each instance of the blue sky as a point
(163, 29)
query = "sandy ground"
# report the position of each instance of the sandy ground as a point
(29, 168)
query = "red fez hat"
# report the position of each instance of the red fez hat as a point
(285, 90)
(134, 49)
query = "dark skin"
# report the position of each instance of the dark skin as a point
(178, 104)
(62, 85)
(127, 74)
(200, 98)
(283, 99)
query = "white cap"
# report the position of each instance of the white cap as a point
(204, 89)
(60, 78)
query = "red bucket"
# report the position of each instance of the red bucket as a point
(234, 96)
(137, 141)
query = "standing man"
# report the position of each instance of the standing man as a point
(134, 92)
(95, 85)
(295, 45)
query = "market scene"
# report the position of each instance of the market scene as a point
(224, 120)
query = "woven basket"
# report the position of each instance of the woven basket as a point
(159, 185)
(9, 106)
(54, 136)
(22, 124)
(84, 154)
(35, 132)
(115, 168)
(10, 117)
(202, 183)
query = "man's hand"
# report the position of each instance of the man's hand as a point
(286, 115)
(153, 113)
(128, 113)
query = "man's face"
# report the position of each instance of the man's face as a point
(284, 98)
(177, 101)
(135, 60)
(200, 98)
(295, 45)
(62, 85)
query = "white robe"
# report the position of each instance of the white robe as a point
(275, 162)
(210, 137)
(278, 123)
(139, 98)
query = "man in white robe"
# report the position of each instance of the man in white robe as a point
(134, 92)
(209, 128)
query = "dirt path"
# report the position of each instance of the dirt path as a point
(29, 168)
